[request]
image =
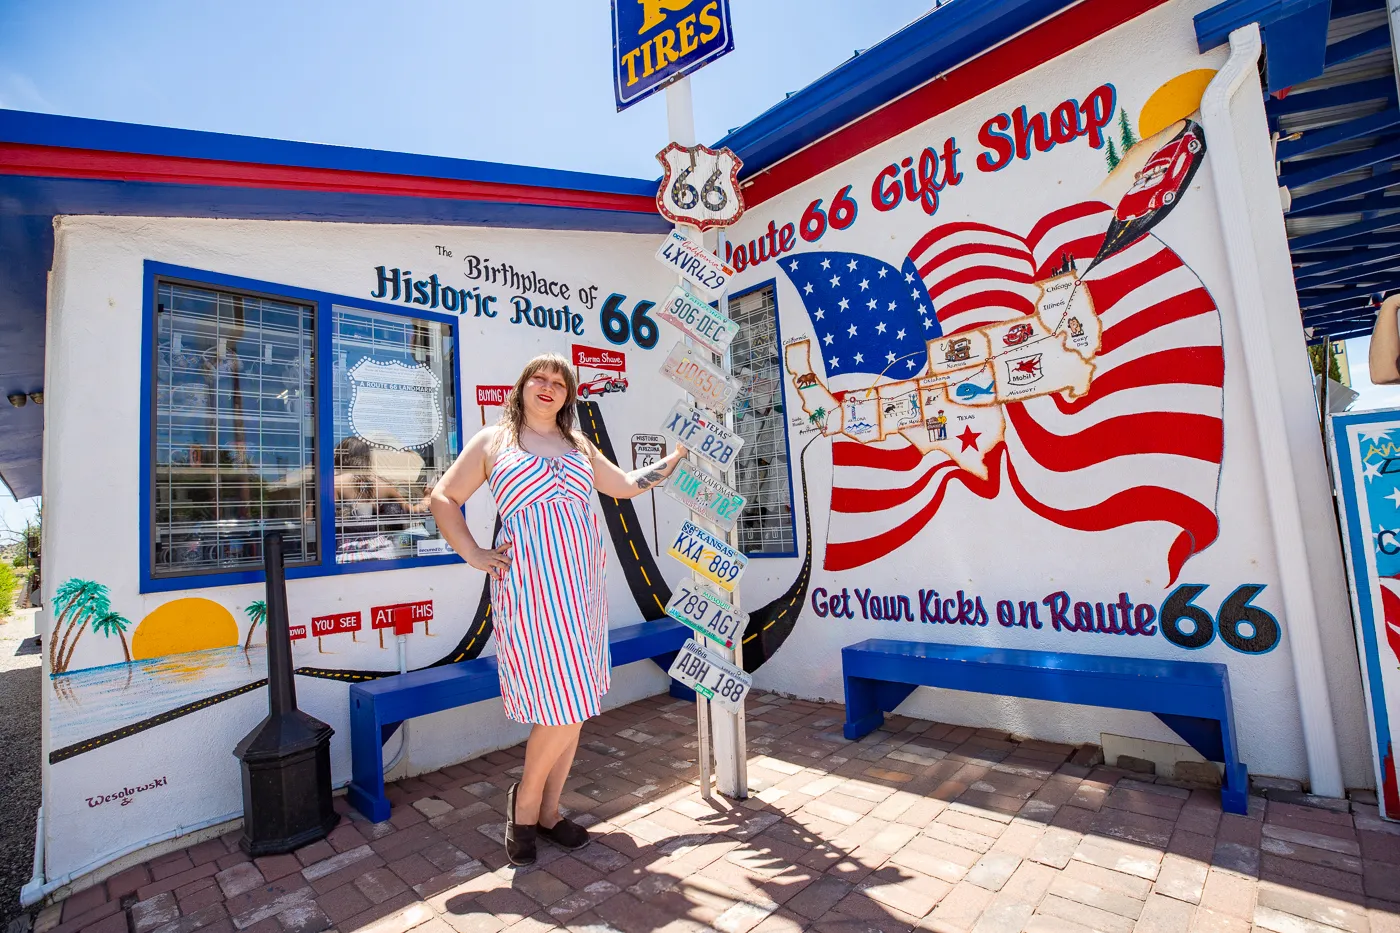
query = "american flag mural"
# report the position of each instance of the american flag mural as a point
(1143, 444)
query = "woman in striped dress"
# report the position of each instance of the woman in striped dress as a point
(548, 595)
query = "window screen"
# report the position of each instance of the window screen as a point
(234, 430)
(761, 468)
(395, 432)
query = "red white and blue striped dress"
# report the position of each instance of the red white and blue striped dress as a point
(550, 607)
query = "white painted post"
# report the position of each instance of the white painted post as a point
(716, 727)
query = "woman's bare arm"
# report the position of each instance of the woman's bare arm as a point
(461, 481)
(610, 479)
(1385, 344)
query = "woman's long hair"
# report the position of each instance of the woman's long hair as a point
(513, 420)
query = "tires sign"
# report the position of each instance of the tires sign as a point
(689, 370)
(711, 677)
(703, 435)
(700, 267)
(708, 556)
(701, 493)
(701, 607)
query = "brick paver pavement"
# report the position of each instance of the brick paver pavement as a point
(919, 826)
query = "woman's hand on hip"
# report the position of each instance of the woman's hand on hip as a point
(492, 560)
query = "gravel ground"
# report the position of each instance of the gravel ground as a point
(20, 669)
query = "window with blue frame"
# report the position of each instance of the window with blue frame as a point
(235, 430)
(299, 412)
(395, 430)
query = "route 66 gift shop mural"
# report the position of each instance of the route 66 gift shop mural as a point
(1015, 379)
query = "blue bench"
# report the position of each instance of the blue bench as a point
(1191, 697)
(377, 707)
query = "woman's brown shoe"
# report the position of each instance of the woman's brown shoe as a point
(520, 837)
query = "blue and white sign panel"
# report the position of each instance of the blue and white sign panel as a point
(656, 42)
(1365, 448)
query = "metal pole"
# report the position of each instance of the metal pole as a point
(282, 691)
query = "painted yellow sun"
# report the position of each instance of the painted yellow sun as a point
(183, 625)
(1177, 99)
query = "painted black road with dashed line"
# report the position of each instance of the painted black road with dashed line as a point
(770, 625)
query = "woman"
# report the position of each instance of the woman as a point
(547, 589)
(1385, 344)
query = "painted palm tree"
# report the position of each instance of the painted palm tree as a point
(108, 624)
(257, 615)
(78, 602)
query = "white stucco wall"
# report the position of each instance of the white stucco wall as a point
(92, 477)
(997, 548)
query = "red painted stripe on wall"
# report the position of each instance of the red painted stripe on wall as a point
(1049, 40)
(58, 162)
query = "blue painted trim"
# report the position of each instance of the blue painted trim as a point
(148, 199)
(1313, 203)
(1341, 426)
(1342, 94)
(1313, 140)
(323, 392)
(918, 53)
(1351, 49)
(782, 389)
(42, 129)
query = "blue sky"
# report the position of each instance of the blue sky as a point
(527, 81)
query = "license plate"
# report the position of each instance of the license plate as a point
(701, 321)
(700, 492)
(712, 677)
(707, 612)
(689, 370)
(699, 266)
(703, 435)
(708, 556)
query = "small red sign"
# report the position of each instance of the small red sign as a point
(297, 632)
(402, 616)
(598, 358)
(336, 624)
(492, 395)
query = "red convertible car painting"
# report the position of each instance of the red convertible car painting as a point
(602, 385)
(1156, 189)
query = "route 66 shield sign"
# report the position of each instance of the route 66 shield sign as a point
(393, 405)
(700, 186)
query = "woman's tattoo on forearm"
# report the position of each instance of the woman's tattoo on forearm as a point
(650, 478)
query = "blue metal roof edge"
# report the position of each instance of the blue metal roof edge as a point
(42, 129)
(933, 44)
